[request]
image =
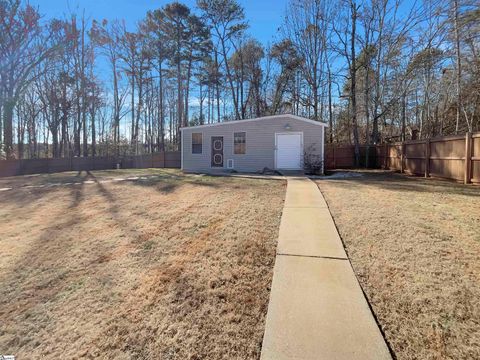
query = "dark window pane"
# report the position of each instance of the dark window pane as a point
(196, 148)
(239, 142)
(197, 143)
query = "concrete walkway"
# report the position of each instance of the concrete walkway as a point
(317, 309)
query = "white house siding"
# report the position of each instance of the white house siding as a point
(260, 142)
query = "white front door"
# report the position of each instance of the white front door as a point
(289, 151)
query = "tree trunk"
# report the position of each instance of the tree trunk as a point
(330, 107)
(8, 128)
(217, 86)
(459, 66)
(353, 74)
(160, 75)
(404, 116)
(366, 101)
(201, 103)
(187, 87)
(230, 80)
(83, 91)
(94, 138)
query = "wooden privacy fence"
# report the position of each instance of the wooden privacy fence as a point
(343, 156)
(169, 159)
(451, 157)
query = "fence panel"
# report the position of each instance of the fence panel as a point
(372, 156)
(451, 157)
(394, 155)
(338, 157)
(158, 160)
(475, 165)
(9, 167)
(447, 157)
(414, 157)
(343, 156)
(56, 165)
(81, 164)
(30, 166)
(142, 162)
(380, 155)
(328, 157)
(43, 166)
(173, 159)
(104, 163)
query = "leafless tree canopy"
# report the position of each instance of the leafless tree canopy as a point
(373, 70)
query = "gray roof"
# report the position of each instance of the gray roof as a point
(295, 117)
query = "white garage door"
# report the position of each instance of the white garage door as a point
(289, 151)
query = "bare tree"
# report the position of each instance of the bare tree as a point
(226, 17)
(23, 48)
(107, 37)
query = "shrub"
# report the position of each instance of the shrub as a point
(312, 162)
(3, 155)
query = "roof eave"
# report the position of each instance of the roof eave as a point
(310, 121)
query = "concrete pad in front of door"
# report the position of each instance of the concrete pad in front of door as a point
(317, 311)
(307, 232)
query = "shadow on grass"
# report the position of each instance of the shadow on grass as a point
(23, 195)
(166, 182)
(170, 183)
(44, 179)
(169, 186)
(49, 266)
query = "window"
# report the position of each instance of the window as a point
(239, 142)
(196, 143)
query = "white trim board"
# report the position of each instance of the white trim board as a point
(290, 116)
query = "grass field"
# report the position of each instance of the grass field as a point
(415, 246)
(165, 266)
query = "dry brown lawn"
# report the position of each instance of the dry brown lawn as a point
(166, 267)
(415, 246)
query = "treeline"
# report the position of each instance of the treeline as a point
(374, 70)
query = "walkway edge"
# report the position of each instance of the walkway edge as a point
(317, 309)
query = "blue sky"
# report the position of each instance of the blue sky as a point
(264, 16)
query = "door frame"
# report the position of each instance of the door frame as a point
(301, 147)
(211, 151)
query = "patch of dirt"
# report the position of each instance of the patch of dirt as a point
(415, 246)
(171, 267)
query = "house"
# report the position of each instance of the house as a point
(280, 142)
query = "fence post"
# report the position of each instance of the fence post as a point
(468, 158)
(334, 160)
(385, 160)
(427, 158)
(402, 157)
